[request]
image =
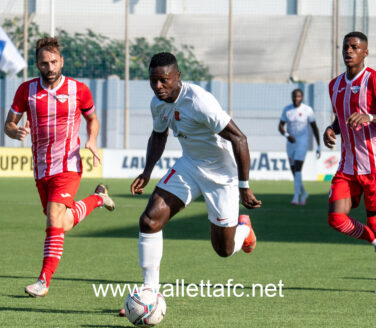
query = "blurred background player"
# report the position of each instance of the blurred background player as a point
(353, 99)
(215, 163)
(54, 104)
(298, 116)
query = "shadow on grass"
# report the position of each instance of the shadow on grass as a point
(110, 326)
(358, 278)
(91, 280)
(276, 221)
(329, 289)
(25, 309)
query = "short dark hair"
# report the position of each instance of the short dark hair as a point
(47, 43)
(163, 59)
(297, 90)
(358, 35)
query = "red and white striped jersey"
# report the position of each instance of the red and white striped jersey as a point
(358, 146)
(55, 117)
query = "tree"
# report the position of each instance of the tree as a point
(92, 55)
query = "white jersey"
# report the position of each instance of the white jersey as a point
(297, 119)
(196, 118)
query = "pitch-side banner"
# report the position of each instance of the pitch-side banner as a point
(18, 162)
(130, 163)
(264, 165)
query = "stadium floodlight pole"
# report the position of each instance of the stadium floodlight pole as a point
(338, 55)
(333, 38)
(230, 59)
(52, 18)
(126, 77)
(25, 46)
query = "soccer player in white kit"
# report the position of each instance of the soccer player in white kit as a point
(298, 116)
(215, 163)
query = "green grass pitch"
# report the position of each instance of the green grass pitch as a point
(329, 279)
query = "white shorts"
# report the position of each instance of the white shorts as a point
(186, 183)
(296, 151)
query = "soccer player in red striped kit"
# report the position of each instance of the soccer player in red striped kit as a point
(54, 105)
(353, 96)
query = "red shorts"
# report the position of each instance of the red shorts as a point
(352, 186)
(59, 188)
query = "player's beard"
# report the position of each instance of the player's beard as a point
(50, 79)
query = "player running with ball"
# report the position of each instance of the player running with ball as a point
(353, 96)
(54, 105)
(215, 163)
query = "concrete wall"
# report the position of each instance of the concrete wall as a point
(256, 110)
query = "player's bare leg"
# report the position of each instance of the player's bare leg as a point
(61, 219)
(83, 208)
(229, 240)
(162, 206)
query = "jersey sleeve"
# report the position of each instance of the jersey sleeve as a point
(210, 113)
(86, 100)
(159, 124)
(283, 116)
(331, 85)
(311, 115)
(20, 101)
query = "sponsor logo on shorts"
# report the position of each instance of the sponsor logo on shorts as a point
(65, 195)
(220, 220)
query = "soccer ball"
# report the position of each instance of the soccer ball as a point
(145, 307)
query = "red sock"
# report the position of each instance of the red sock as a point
(351, 227)
(84, 207)
(53, 250)
(371, 222)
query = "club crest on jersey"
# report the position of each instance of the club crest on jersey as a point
(355, 89)
(62, 98)
(41, 96)
(177, 115)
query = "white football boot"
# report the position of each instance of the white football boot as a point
(102, 191)
(38, 289)
(295, 201)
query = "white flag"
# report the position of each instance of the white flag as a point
(11, 60)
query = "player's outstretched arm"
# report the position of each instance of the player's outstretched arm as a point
(329, 136)
(155, 149)
(12, 130)
(92, 127)
(241, 152)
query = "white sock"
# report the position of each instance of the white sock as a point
(297, 184)
(150, 249)
(302, 190)
(374, 243)
(241, 233)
